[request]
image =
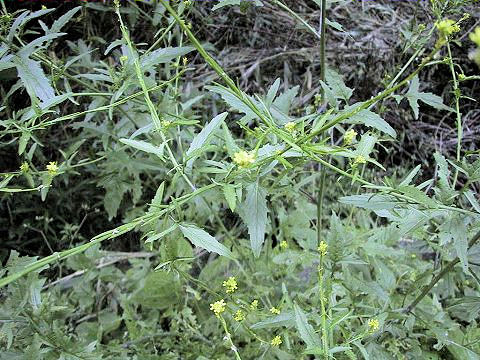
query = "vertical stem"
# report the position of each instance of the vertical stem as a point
(456, 93)
(323, 309)
(323, 171)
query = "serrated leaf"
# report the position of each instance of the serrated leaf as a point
(373, 120)
(335, 81)
(306, 331)
(418, 196)
(34, 79)
(201, 238)
(413, 95)
(254, 214)
(470, 195)
(64, 19)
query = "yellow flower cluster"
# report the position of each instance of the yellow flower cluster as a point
(230, 285)
(349, 136)
(52, 168)
(447, 27)
(276, 341)
(359, 159)
(218, 307)
(239, 316)
(373, 325)
(290, 126)
(243, 158)
(254, 305)
(283, 245)
(322, 248)
(24, 167)
(275, 311)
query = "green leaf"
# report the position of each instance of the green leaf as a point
(413, 95)
(373, 120)
(307, 333)
(408, 179)
(470, 195)
(144, 146)
(230, 196)
(460, 241)
(335, 81)
(223, 3)
(157, 199)
(283, 319)
(34, 79)
(204, 136)
(201, 238)
(418, 196)
(165, 55)
(370, 201)
(254, 214)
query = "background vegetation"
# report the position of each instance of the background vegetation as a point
(207, 180)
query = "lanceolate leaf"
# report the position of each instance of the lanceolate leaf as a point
(254, 214)
(306, 331)
(203, 137)
(201, 238)
(372, 120)
(460, 241)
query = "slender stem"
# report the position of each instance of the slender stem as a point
(323, 315)
(440, 275)
(456, 93)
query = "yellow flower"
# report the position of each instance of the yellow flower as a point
(447, 27)
(322, 248)
(230, 285)
(239, 316)
(349, 136)
(275, 311)
(283, 245)
(290, 126)
(475, 36)
(166, 123)
(52, 167)
(243, 158)
(218, 307)
(24, 167)
(44, 7)
(254, 305)
(373, 325)
(276, 341)
(185, 61)
(359, 160)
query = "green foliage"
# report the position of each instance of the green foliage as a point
(208, 223)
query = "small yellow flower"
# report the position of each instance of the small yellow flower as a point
(218, 307)
(290, 126)
(461, 77)
(349, 136)
(275, 311)
(165, 123)
(185, 61)
(44, 7)
(24, 167)
(52, 167)
(230, 285)
(243, 158)
(239, 316)
(475, 36)
(276, 341)
(447, 27)
(254, 305)
(283, 245)
(359, 159)
(373, 325)
(123, 59)
(322, 248)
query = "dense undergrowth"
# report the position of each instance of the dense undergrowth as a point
(240, 180)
